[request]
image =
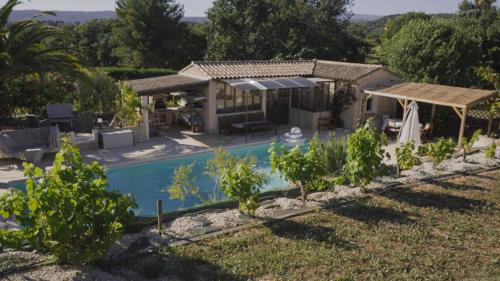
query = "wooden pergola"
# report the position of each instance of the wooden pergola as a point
(460, 99)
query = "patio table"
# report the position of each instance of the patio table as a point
(255, 125)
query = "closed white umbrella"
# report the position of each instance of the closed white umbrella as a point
(410, 129)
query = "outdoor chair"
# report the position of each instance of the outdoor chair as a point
(61, 114)
(426, 130)
(392, 127)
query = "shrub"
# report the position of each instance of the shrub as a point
(304, 169)
(129, 73)
(469, 143)
(67, 211)
(364, 155)
(240, 182)
(214, 167)
(334, 151)
(490, 151)
(97, 92)
(183, 183)
(439, 151)
(406, 158)
(127, 106)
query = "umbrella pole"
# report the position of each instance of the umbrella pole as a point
(246, 117)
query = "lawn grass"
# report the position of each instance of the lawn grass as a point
(436, 231)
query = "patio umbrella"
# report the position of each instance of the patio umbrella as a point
(410, 129)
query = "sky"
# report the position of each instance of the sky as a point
(198, 7)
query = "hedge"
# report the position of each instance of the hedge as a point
(129, 73)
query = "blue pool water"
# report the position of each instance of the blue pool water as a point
(148, 182)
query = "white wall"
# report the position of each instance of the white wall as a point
(381, 105)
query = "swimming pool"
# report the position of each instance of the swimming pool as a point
(148, 181)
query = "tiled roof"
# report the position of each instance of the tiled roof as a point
(273, 68)
(168, 83)
(247, 69)
(343, 70)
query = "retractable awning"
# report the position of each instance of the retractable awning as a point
(249, 84)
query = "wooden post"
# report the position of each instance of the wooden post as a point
(145, 115)
(433, 115)
(463, 118)
(158, 214)
(490, 124)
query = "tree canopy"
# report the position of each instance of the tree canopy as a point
(432, 51)
(280, 29)
(149, 33)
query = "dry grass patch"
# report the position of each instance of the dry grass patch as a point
(436, 231)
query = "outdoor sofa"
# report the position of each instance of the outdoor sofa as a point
(29, 144)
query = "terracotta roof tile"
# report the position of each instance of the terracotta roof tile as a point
(166, 83)
(247, 69)
(343, 70)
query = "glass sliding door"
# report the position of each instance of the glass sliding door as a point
(278, 106)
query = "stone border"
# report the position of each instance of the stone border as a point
(306, 210)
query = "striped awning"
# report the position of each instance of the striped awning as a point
(249, 84)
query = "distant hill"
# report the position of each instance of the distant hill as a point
(78, 16)
(361, 17)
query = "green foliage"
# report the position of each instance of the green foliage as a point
(406, 159)
(467, 144)
(334, 152)
(439, 151)
(183, 184)
(242, 183)
(306, 169)
(490, 151)
(493, 78)
(364, 155)
(281, 29)
(23, 50)
(395, 24)
(97, 93)
(93, 41)
(67, 211)
(151, 34)
(31, 93)
(342, 100)
(127, 106)
(433, 51)
(130, 73)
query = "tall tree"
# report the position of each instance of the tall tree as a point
(93, 42)
(283, 29)
(434, 51)
(148, 33)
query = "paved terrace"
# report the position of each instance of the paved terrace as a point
(178, 141)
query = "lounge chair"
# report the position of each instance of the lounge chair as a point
(29, 144)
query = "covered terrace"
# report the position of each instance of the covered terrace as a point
(460, 99)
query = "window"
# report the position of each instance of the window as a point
(313, 99)
(230, 99)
